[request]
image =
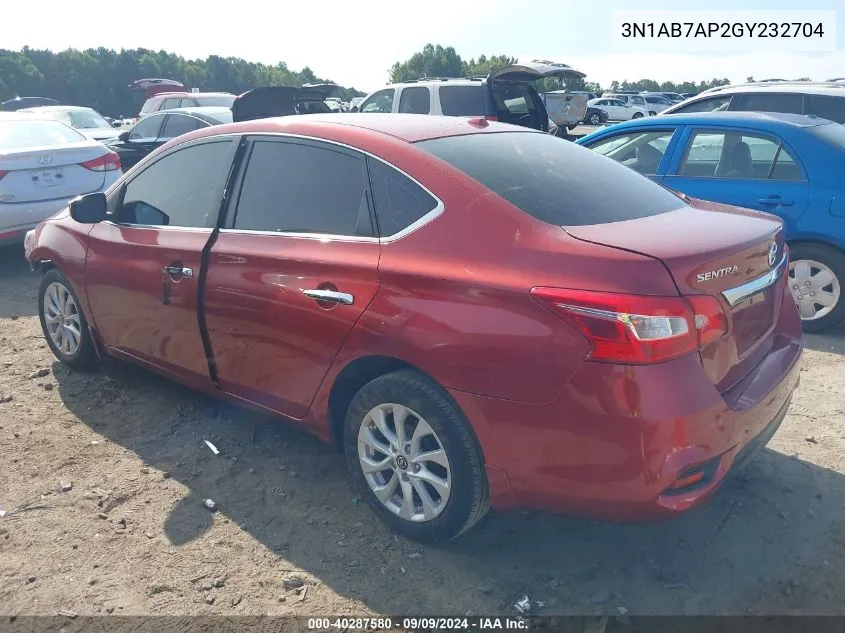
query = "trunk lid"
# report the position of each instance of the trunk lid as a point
(47, 173)
(736, 255)
(272, 101)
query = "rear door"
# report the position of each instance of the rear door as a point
(144, 265)
(743, 168)
(291, 272)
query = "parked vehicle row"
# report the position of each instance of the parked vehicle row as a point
(306, 266)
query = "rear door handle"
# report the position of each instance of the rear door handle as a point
(332, 296)
(776, 201)
(178, 271)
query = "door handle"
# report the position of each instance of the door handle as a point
(178, 271)
(332, 296)
(776, 201)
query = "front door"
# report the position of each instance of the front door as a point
(144, 266)
(140, 140)
(293, 270)
(742, 168)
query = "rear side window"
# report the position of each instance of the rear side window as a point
(399, 201)
(415, 100)
(713, 104)
(180, 189)
(555, 182)
(769, 102)
(463, 100)
(831, 108)
(171, 103)
(223, 101)
(178, 124)
(304, 188)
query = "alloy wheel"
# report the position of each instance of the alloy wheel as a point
(404, 462)
(814, 287)
(61, 317)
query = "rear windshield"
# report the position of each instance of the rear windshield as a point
(225, 102)
(35, 133)
(463, 100)
(832, 133)
(554, 180)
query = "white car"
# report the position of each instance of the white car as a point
(43, 165)
(87, 120)
(618, 110)
(656, 104)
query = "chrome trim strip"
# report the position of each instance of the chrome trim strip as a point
(428, 217)
(324, 237)
(735, 296)
(333, 296)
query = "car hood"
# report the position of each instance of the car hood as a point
(533, 70)
(270, 101)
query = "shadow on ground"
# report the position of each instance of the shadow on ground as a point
(18, 299)
(769, 538)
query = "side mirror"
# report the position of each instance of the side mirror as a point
(123, 136)
(115, 123)
(89, 209)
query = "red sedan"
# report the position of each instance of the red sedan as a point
(478, 314)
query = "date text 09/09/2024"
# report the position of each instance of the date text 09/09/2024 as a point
(806, 30)
(415, 623)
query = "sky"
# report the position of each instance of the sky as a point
(354, 42)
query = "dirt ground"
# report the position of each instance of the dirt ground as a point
(131, 534)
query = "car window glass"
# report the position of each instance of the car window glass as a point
(187, 103)
(714, 104)
(146, 128)
(148, 106)
(171, 103)
(381, 101)
(785, 167)
(462, 100)
(398, 200)
(831, 108)
(557, 183)
(300, 188)
(637, 100)
(415, 100)
(768, 102)
(641, 151)
(735, 155)
(180, 189)
(178, 124)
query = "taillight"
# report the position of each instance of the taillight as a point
(637, 329)
(107, 162)
(3, 173)
(492, 117)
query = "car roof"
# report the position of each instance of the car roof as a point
(807, 87)
(732, 119)
(209, 110)
(438, 81)
(56, 108)
(165, 95)
(405, 127)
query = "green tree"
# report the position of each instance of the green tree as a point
(431, 61)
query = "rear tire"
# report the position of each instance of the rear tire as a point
(63, 322)
(637, 115)
(433, 429)
(819, 269)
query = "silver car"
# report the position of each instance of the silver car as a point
(43, 165)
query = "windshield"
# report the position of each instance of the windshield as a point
(82, 119)
(554, 181)
(37, 133)
(223, 101)
(832, 133)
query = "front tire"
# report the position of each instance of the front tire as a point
(413, 457)
(63, 322)
(816, 280)
(595, 119)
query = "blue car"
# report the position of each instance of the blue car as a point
(787, 164)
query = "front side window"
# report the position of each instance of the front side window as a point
(178, 124)
(558, 183)
(304, 188)
(415, 100)
(147, 128)
(171, 103)
(641, 151)
(737, 155)
(180, 189)
(713, 104)
(382, 101)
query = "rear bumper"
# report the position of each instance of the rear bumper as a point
(16, 218)
(617, 438)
